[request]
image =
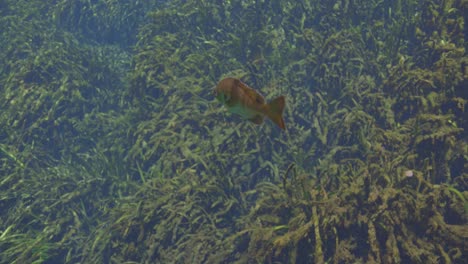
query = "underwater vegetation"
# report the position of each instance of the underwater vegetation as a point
(113, 148)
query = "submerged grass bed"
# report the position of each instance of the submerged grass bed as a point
(113, 149)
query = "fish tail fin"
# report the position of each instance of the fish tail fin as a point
(275, 111)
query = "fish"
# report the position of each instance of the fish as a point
(246, 102)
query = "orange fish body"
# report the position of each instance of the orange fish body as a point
(242, 100)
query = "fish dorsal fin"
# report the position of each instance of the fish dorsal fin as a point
(251, 93)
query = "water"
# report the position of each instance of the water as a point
(113, 148)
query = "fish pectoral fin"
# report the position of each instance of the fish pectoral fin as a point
(258, 119)
(226, 98)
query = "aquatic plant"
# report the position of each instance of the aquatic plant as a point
(58, 97)
(147, 167)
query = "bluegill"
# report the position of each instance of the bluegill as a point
(244, 101)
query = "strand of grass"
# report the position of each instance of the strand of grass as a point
(318, 252)
(11, 156)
